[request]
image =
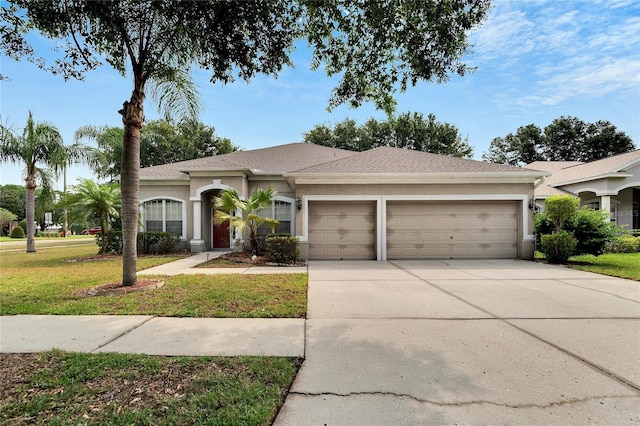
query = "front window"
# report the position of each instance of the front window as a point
(280, 211)
(163, 216)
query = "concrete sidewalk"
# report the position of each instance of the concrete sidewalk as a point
(188, 265)
(152, 335)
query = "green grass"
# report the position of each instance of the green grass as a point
(115, 389)
(623, 265)
(50, 282)
(68, 237)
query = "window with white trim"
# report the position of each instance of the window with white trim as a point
(280, 211)
(163, 216)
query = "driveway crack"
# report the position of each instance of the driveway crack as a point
(467, 403)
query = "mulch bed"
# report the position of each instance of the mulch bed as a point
(117, 289)
(243, 259)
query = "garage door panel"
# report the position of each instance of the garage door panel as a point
(452, 230)
(342, 230)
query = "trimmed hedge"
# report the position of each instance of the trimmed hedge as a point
(17, 232)
(624, 244)
(148, 242)
(282, 249)
(558, 247)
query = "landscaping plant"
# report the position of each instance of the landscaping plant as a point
(17, 232)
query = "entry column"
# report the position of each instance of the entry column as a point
(197, 243)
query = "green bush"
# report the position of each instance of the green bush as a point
(590, 227)
(148, 242)
(47, 234)
(23, 224)
(17, 232)
(282, 249)
(558, 247)
(623, 244)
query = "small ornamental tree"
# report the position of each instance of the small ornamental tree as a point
(559, 208)
(559, 245)
(6, 216)
(243, 214)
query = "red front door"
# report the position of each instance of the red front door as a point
(221, 235)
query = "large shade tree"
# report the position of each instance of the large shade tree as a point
(376, 47)
(41, 150)
(564, 139)
(408, 131)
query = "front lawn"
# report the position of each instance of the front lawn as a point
(50, 282)
(116, 389)
(623, 265)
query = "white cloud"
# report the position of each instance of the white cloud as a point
(550, 52)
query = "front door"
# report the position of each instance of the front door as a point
(221, 234)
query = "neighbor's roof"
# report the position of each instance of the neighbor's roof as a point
(576, 172)
(387, 160)
(266, 161)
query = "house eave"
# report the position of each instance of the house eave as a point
(165, 180)
(413, 178)
(592, 178)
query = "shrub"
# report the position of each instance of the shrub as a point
(47, 234)
(17, 232)
(623, 244)
(558, 247)
(559, 208)
(282, 249)
(23, 224)
(592, 228)
(148, 242)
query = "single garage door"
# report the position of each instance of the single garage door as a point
(342, 230)
(452, 230)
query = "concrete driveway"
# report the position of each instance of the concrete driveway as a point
(467, 342)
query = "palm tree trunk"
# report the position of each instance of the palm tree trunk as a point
(31, 213)
(133, 118)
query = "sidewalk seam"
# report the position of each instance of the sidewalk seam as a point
(122, 334)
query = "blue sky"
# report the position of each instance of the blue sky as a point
(537, 60)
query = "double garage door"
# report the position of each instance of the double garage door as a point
(414, 230)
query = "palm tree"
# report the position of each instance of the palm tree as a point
(109, 153)
(246, 216)
(88, 200)
(43, 152)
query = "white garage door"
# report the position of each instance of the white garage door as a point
(342, 230)
(450, 230)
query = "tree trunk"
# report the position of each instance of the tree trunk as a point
(133, 118)
(31, 213)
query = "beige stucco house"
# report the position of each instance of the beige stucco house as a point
(611, 184)
(385, 203)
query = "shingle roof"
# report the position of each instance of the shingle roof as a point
(581, 172)
(395, 160)
(273, 160)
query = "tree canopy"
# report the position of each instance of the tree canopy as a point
(161, 142)
(564, 139)
(14, 198)
(376, 47)
(408, 130)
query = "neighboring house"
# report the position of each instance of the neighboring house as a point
(611, 184)
(385, 203)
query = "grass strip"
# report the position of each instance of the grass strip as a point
(623, 265)
(114, 389)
